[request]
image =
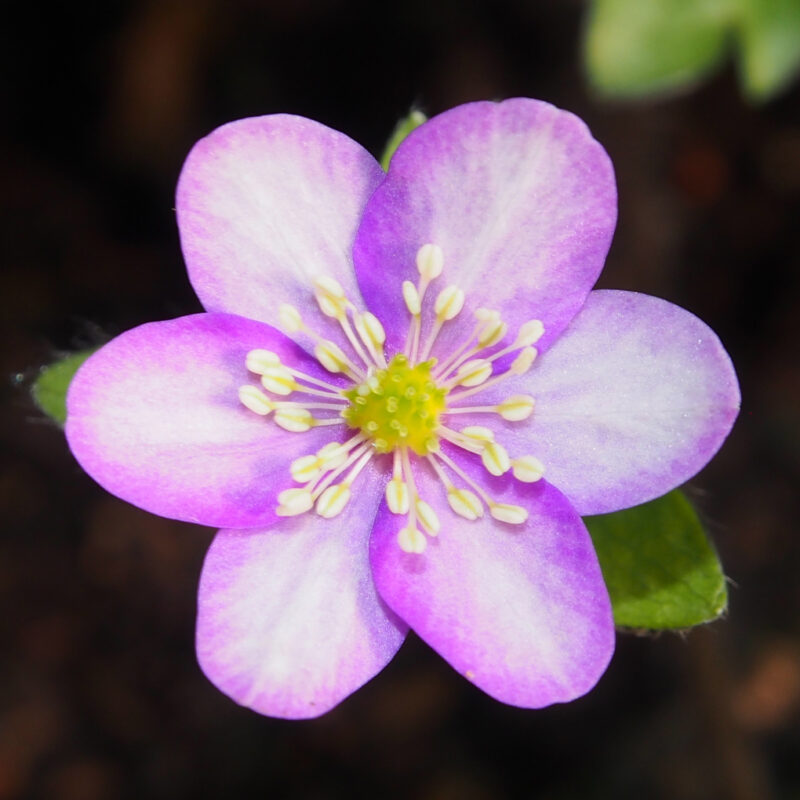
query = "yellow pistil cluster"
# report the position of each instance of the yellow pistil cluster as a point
(398, 406)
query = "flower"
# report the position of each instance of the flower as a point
(379, 464)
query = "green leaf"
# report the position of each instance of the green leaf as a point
(401, 130)
(50, 388)
(769, 45)
(659, 566)
(636, 47)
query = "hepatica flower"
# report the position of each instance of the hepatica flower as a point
(399, 403)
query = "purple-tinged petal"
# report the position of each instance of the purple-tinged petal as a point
(520, 610)
(634, 399)
(520, 198)
(289, 621)
(266, 204)
(155, 418)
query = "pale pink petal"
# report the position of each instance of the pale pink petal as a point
(155, 418)
(289, 621)
(633, 400)
(266, 204)
(519, 610)
(520, 198)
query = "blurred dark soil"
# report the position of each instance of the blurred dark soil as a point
(100, 694)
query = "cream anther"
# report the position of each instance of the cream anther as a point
(255, 400)
(306, 468)
(478, 432)
(331, 357)
(290, 318)
(427, 516)
(333, 500)
(486, 314)
(330, 296)
(397, 496)
(492, 332)
(495, 458)
(465, 503)
(449, 303)
(294, 420)
(258, 360)
(278, 379)
(505, 512)
(472, 373)
(333, 455)
(411, 296)
(411, 540)
(294, 502)
(529, 333)
(430, 261)
(522, 363)
(516, 408)
(527, 469)
(370, 329)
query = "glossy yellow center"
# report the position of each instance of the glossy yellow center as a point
(398, 406)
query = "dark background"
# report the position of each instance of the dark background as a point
(100, 694)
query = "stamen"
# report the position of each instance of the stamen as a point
(492, 332)
(516, 408)
(495, 459)
(294, 420)
(290, 318)
(527, 469)
(322, 484)
(254, 399)
(277, 379)
(519, 366)
(371, 331)
(333, 500)
(293, 502)
(448, 306)
(463, 502)
(356, 345)
(410, 538)
(412, 298)
(528, 334)
(427, 516)
(397, 496)
(464, 442)
(259, 360)
(473, 373)
(478, 432)
(503, 512)
(330, 296)
(334, 360)
(430, 261)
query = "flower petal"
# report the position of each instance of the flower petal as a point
(635, 398)
(266, 204)
(155, 418)
(520, 610)
(289, 621)
(519, 197)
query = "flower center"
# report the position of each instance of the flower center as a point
(398, 406)
(405, 406)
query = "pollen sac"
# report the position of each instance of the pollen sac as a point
(398, 406)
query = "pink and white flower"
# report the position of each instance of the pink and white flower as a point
(401, 399)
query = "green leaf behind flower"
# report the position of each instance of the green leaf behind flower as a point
(659, 566)
(769, 45)
(634, 48)
(401, 130)
(50, 388)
